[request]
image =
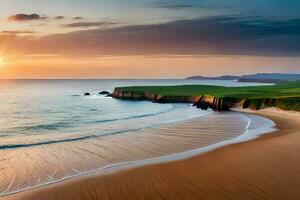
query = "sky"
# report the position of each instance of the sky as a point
(147, 38)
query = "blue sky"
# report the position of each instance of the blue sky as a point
(148, 11)
(133, 12)
(116, 8)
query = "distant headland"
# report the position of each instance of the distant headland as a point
(259, 78)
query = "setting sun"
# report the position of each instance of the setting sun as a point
(2, 62)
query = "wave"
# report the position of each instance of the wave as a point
(65, 124)
(48, 127)
(248, 134)
(132, 117)
(39, 127)
(73, 139)
(14, 146)
(83, 137)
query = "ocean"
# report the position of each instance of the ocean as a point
(50, 131)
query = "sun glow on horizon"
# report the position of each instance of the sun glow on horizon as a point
(2, 62)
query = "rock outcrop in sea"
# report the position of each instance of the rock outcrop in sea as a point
(104, 93)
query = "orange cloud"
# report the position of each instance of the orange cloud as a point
(210, 36)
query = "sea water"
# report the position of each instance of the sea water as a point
(50, 130)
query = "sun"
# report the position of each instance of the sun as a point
(2, 62)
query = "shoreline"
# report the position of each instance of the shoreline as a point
(142, 146)
(268, 127)
(123, 171)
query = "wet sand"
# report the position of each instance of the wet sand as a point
(265, 168)
(23, 168)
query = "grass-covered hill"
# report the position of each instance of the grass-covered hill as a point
(285, 96)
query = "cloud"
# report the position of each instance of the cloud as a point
(25, 17)
(87, 24)
(170, 5)
(275, 8)
(39, 25)
(17, 32)
(226, 35)
(78, 18)
(176, 5)
(60, 17)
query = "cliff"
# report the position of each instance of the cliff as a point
(204, 101)
(208, 101)
(148, 96)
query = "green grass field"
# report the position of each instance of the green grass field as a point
(274, 91)
(287, 95)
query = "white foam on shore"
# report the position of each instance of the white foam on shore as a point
(249, 134)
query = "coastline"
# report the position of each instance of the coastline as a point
(217, 98)
(165, 143)
(192, 182)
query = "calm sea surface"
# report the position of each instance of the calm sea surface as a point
(43, 111)
(49, 130)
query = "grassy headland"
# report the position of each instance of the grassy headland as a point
(285, 96)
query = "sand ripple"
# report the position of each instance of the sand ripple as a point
(23, 168)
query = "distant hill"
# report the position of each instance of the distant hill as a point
(227, 77)
(260, 78)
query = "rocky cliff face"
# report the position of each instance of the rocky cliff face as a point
(282, 103)
(218, 104)
(204, 102)
(128, 95)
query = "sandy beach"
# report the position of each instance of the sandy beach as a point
(150, 100)
(264, 168)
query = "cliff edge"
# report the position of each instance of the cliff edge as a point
(284, 96)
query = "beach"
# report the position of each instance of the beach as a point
(54, 135)
(264, 168)
(150, 100)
